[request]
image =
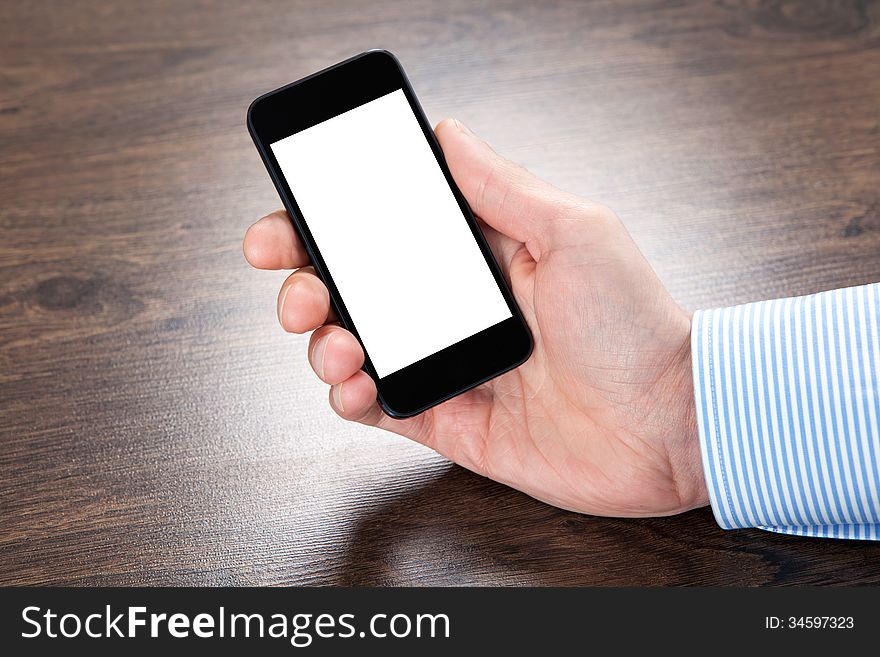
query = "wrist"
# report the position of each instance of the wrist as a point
(682, 441)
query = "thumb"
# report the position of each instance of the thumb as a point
(505, 195)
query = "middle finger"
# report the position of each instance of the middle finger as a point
(303, 302)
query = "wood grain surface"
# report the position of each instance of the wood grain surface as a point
(158, 427)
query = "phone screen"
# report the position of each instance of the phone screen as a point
(391, 233)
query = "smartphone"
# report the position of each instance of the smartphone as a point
(369, 193)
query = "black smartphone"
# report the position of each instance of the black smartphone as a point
(367, 188)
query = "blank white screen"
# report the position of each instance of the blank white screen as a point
(391, 233)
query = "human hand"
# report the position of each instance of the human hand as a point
(601, 418)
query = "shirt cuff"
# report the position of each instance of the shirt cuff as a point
(787, 411)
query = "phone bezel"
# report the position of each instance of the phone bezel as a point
(328, 93)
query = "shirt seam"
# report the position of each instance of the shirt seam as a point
(717, 437)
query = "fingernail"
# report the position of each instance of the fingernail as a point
(464, 128)
(337, 396)
(318, 354)
(281, 299)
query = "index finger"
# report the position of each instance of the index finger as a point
(271, 243)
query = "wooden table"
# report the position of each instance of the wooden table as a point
(158, 427)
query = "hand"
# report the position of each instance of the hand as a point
(601, 418)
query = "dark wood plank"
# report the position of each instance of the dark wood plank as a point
(157, 426)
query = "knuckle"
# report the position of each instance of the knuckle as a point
(581, 212)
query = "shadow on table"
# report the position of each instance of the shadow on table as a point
(459, 528)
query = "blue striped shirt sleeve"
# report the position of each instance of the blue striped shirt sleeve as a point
(788, 407)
